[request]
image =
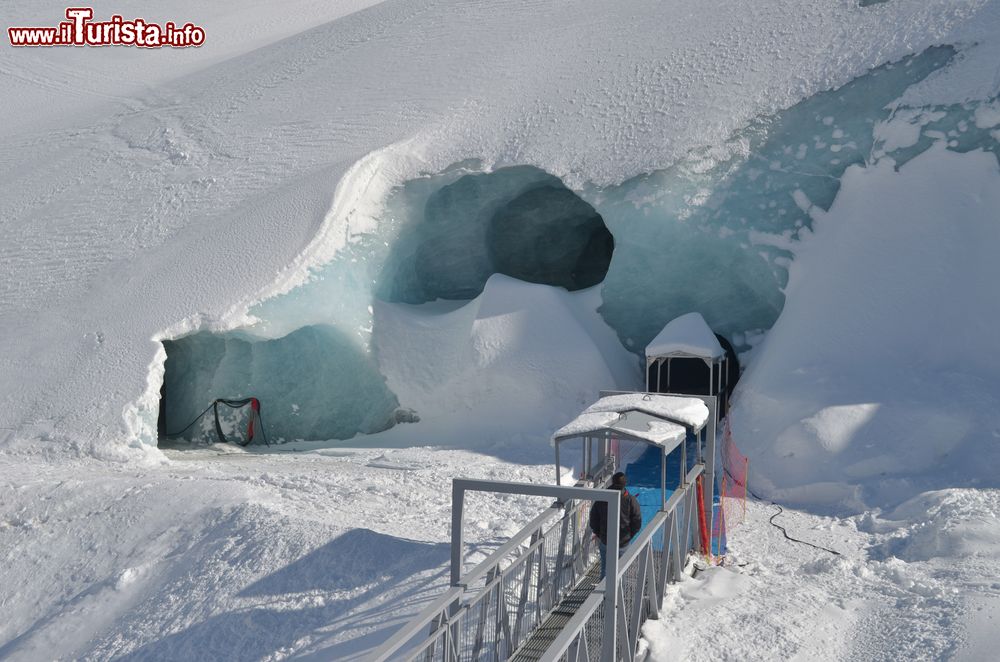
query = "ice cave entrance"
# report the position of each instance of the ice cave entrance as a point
(519, 221)
(688, 358)
(313, 384)
(441, 237)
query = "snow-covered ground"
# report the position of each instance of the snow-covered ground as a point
(152, 194)
(318, 555)
(916, 583)
(231, 555)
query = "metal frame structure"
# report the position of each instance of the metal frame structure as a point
(493, 611)
(717, 389)
(708, 434)
(599, 440)
(490, 611)
(657, 556)
(689, 337)
(611, 497)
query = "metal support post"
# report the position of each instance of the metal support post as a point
(457, 543)
(558, 466)
(611, 597)
(684, 469)
(663, 478)
(709, 480)
(711, 375)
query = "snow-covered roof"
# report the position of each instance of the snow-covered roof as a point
(690, 412)
(688, 335)
(627, 424)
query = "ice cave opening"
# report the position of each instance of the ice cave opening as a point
(310, 361)
(518, 221)
(309, 383)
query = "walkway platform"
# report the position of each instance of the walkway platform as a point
(546, 633)
(644, 479)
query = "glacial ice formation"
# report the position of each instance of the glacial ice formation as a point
(519, 221)
(310, 382)
(714, 233)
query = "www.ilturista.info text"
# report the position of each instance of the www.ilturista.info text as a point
(80, 30)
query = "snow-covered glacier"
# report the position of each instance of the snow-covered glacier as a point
(461, 219)
(715, 233)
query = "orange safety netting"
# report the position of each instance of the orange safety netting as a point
(733, 490)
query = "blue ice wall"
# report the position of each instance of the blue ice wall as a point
(715, 233)
(520, 221)
(313, 383)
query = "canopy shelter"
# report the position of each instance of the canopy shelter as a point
(620, 428)
(691, 413)
(687, 357)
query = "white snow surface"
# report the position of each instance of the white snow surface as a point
(228, 555)
(855, 400)
(883, 598)
(632, 423)
(687, 334)
(588, 422)
(514, 363)
(151, 194)
(692, 412)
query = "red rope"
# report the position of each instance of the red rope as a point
(254, 412)
(702, 522)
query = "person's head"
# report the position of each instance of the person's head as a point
(618, 481)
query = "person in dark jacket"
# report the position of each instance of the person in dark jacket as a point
(628, 525)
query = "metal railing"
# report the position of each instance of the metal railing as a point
(494, 608)
(656, 557)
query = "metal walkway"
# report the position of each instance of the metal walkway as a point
(537, 597)
(645, 473)
(551, 627)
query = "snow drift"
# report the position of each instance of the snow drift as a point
(879, 381)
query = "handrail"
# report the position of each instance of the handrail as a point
(429, 642)
(696, 471)
(647, 588)
(635, 546)
(468, 603)
(503, 574)
(505, 549)
(456, 594)
(414, 625)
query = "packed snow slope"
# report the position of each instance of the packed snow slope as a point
(914, 583)
(234, 556)
(43, 87)
(178, 207)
